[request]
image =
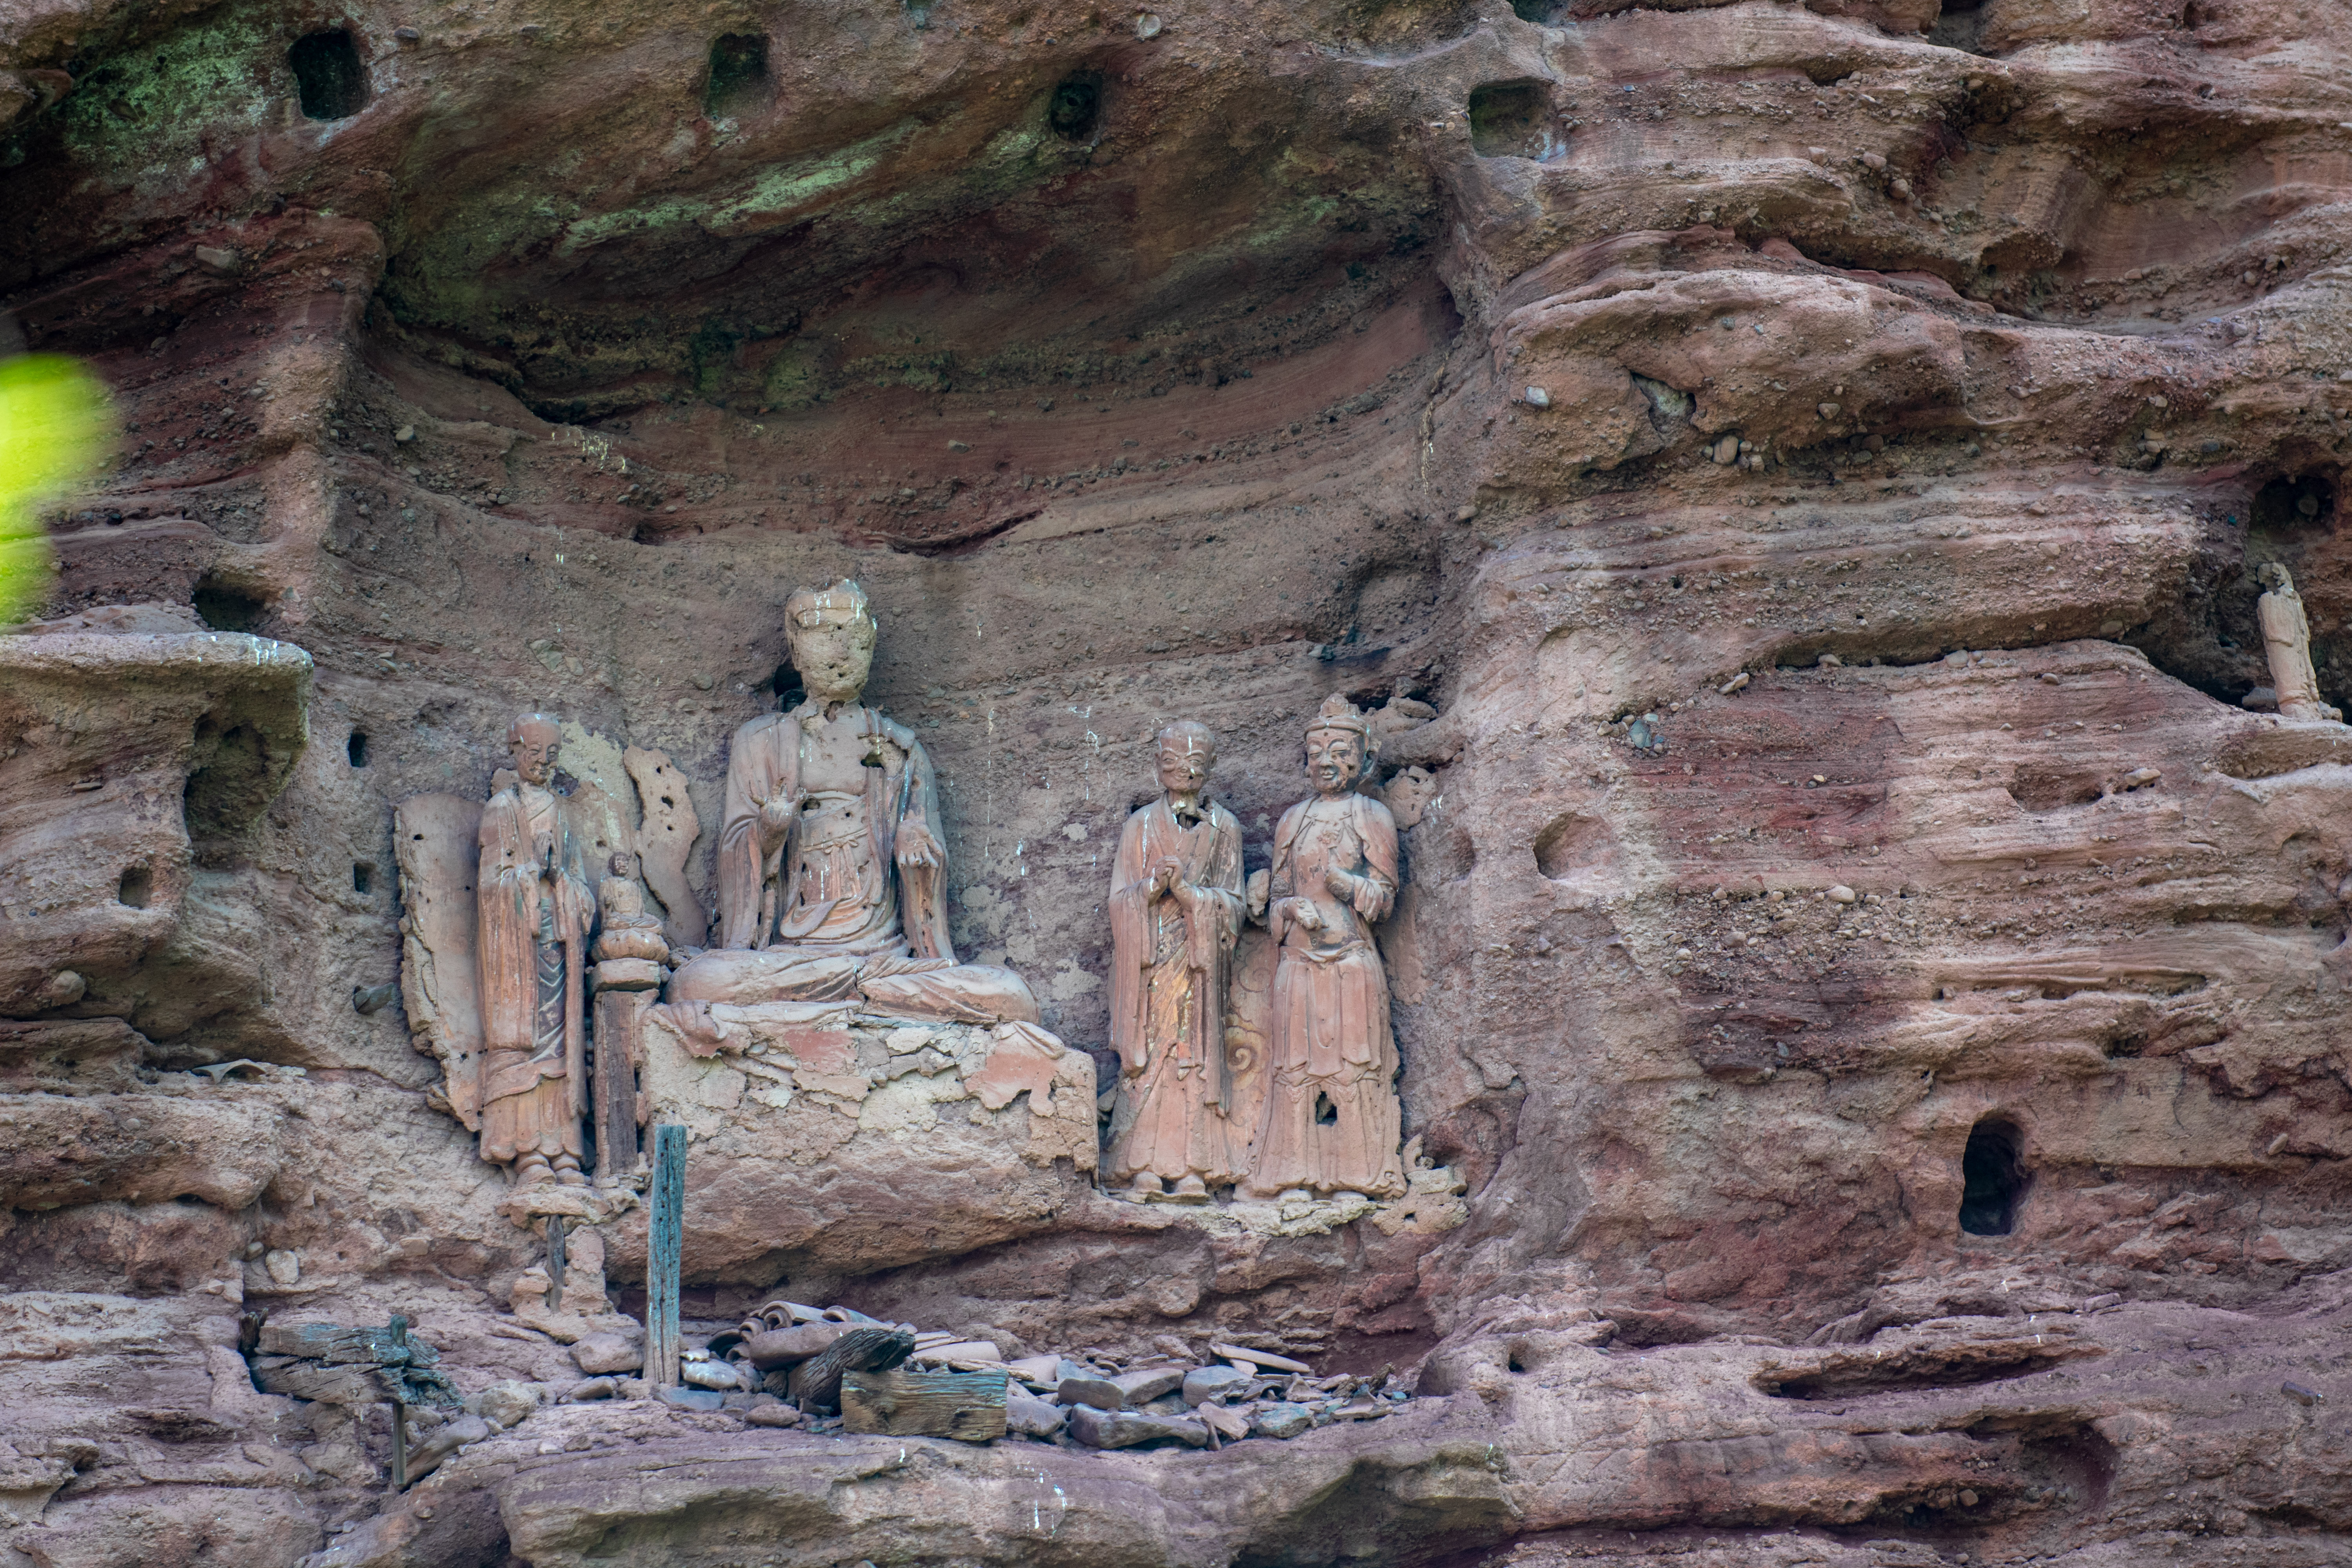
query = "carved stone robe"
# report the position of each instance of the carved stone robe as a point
(1169, 979)
(826, 913)
(1331, 1121)
(2286, 639)
(868, 903)
(534, 928)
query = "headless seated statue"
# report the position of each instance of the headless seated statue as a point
(832, 860)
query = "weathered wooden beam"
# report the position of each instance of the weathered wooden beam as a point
(816, 1382)
(662, 1248)
(620, 1014)
(904, 1402)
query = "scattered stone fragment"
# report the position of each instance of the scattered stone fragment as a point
(1842, 894)
(603, 1353)
(1282, 1419)
(1537, 397)
(1143, 1386)
(1223, 1420)
(1100, 1392)
(1210, 1383)
(1266, 1359)
(2301, 1393)
(449, 1439)
(1127, 1428)
(708, 1373)
(1037, 1370)
(1736, 683)
(774, 1414)
(691, 1398)
(1031, 1416)
(506, 1404)
(589, 1388)
(2140, 778)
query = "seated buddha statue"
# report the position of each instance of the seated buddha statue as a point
(832, 860)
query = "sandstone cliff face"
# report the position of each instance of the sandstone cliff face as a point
(1947, 374)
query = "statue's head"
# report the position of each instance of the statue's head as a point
(532, 740)
(2274, 577)
(831, 633)
(1184, 753)
(1339, 746)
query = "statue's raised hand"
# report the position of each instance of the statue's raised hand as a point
(917, 849)
(776, 816)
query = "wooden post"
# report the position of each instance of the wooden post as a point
(555, 1263)
(620, 1015)
(399, 1447)
(662, 1244)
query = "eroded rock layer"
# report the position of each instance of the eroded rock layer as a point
(1864, 948)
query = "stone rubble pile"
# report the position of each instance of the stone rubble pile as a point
(794, 1365)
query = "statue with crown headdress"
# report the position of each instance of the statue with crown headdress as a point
(832, 858)
(1331, 1125)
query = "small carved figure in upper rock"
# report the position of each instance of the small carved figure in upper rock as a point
(832, 859)
(536, 914)
(625, 933)
(1331, 1122)
(1176, 910)
(2286, 637)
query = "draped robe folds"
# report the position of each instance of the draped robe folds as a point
(1169, 980)
(1331, 1121)
(824, 911)
(534, 927)
(2286, 639)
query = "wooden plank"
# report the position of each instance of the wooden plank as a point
(966, 1406)
(339, 1345)
(346, 1386)
(619, 1015)
(667, 1227)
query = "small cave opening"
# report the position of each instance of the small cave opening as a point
(227, 607)
(1326, 1113)
(327, 76)
(137, 886)
(1075, 112)
(362, 877)
(229, 782)
(1508, 120)
(1993, 1177)
(356, 748)
(790, 690)
(2301, 500)
(1542, 13)
(738, 82)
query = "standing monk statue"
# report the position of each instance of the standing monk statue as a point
(1176, 910)
(1331, 1122)
(536, 914)
(2287, 639)
(832, 860)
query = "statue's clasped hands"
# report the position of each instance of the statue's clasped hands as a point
(1168, 877)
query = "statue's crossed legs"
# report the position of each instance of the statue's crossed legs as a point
(934, 990)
